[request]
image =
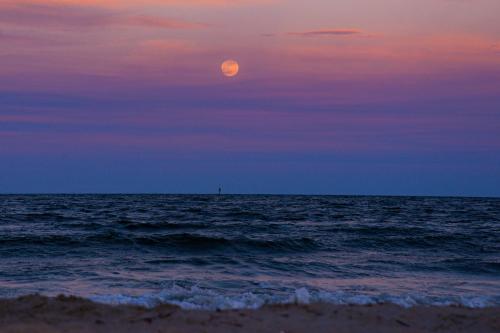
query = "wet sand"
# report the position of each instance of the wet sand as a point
(37, 314)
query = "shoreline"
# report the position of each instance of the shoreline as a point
(40, 314)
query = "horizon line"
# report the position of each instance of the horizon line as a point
(249, 194)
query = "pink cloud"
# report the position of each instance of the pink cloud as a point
(326, 32)
(57, 15)
(134, 3)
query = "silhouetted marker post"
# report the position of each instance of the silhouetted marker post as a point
(220, 190)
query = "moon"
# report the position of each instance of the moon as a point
(230, 68)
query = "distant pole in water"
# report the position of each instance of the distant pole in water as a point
(220, 190)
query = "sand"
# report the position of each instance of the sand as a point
(37, 314)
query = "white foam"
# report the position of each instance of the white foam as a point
(302, 296)
(201, 298)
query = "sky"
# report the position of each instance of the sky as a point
(390, 97)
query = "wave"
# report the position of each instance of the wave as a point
(196, 241)
(33, 240)
(247, 215)
(178, 241)
(146, 226)
(478, 266)
(196, 298)
(422, 241)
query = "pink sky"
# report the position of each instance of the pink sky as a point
(320, 76)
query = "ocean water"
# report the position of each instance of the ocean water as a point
(201, 251)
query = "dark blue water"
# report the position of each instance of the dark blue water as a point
(245, 251)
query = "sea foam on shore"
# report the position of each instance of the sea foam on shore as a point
(205, 299)
(40, 314)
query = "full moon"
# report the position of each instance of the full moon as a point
(230, 68)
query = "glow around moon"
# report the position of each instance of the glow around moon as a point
(230, 68)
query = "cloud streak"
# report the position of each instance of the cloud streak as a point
(63, 16)
(326, 32)
(134, 3)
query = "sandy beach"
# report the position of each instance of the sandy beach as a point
(37, 314)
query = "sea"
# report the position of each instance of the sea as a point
(246, 251)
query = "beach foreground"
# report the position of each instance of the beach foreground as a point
(38, 314)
